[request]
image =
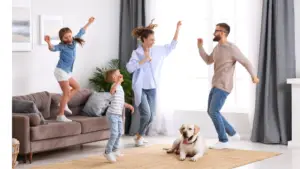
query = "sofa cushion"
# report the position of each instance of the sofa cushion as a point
(54, 129)
(91, 124)
(80, 98)
(76, 103)
(29, 108)
(97, 104)
(41, 99)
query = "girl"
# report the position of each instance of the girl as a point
(64, 68)
(145, 64)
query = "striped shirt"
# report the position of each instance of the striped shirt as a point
(117, 102)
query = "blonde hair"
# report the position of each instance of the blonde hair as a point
(109, 75)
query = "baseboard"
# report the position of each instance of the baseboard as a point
(293, 144)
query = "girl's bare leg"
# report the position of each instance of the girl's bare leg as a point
(65, 87)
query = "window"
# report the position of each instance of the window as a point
(190, 76)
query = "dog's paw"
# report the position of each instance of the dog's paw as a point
(194, 159)
(182, 158)
(170, 151)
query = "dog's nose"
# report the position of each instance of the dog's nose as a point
(184, 134)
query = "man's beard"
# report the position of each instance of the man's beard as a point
(217, 39)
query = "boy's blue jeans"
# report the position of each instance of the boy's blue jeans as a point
(216, 100)
(116, 129)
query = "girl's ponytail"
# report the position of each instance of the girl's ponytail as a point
(80, 41)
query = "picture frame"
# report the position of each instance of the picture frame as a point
(21, 26)
(50, 25)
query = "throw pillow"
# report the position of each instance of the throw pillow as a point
(34, 119)
(97, 104)
(42, 100)
(28, 107)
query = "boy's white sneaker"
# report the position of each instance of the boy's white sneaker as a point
(110, 157)
(118, 153)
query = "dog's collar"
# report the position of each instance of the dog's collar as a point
(192, 142)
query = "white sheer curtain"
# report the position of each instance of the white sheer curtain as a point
(185, 78)
(163, 121)
(255, 22)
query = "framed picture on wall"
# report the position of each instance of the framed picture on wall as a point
(50, 25)
(21, 26)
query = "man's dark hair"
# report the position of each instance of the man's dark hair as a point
(225, 26)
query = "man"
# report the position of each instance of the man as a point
(224, 57)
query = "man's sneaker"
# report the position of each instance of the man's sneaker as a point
(118, 153)
(63, 118)
(110, 157)
(235, 137)
(220, 145)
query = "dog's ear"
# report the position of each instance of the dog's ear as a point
(196, 129)
(181, 129)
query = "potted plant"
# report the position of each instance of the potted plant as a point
(100, 85)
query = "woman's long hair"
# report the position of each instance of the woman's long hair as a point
(143, 32)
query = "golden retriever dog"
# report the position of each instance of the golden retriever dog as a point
(190, 144)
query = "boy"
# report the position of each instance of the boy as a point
(114, 114)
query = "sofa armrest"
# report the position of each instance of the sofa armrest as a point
(21, 131)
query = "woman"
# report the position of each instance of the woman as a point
(145, 64)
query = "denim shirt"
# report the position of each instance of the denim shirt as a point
(149, 69)
(67, 53)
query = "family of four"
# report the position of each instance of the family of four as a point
(145, 64)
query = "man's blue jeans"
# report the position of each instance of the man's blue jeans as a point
(147, 109)
(216, 101)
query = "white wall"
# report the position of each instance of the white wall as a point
(240, 121)
(297, 36)
(33, 71)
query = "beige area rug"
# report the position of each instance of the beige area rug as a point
(155, 157)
